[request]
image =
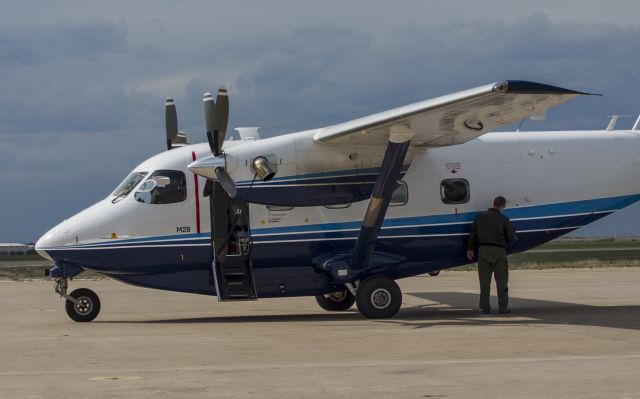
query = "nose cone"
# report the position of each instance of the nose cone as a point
(56, 237)
(206, 167)
(40, 245)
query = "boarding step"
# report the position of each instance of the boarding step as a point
(234, 279)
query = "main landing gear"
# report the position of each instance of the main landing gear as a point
(82, 305)
(377, 297)
(336, 301)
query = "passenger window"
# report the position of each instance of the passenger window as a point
(454, 191)
(163, 187)
(400, 195)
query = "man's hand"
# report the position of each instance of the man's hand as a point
(470, 254)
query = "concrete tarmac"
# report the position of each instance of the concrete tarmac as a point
(573, 334)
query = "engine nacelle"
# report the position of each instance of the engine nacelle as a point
(294, 170)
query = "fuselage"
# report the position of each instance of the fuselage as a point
(555, 182)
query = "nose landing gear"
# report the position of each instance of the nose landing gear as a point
(82, 305)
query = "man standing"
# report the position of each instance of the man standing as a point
(491, 232)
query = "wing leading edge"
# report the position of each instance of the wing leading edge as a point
(454, 118)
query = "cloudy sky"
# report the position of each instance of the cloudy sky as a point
(82, 84)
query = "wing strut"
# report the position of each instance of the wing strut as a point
(399, 140)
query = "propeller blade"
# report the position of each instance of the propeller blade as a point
(221, 118)
(170, 121)
(226, 182)
(208, 188)
(209, 121)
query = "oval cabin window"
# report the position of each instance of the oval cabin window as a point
(454, 191)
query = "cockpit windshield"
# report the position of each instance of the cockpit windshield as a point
(128, 184)
(163, 187)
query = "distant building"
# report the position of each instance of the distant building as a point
(15, 248)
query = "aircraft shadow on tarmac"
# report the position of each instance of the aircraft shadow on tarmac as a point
(455, 308)
(457, 311)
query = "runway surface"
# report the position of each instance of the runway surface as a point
(574, 333)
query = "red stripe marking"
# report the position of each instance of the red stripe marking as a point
(195, 180)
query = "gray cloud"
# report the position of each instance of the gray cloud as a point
(33, 44)
(323, 71)
(150, 52)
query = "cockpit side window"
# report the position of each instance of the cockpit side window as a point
(163, 187)
(128, 184)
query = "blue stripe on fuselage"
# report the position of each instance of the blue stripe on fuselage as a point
(549, 216)
(322, 175)
(536, 211)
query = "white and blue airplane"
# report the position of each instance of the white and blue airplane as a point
(341, 212)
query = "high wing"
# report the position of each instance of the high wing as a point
(454, 118)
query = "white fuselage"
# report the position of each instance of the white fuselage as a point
(555, 183)
(528, 168)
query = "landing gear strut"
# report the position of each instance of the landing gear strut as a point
(82, 305)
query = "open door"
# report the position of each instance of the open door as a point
(232, 269)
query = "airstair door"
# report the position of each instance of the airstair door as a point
(232, 268)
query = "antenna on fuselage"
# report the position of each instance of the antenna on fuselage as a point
(614, 121)
(636, 126)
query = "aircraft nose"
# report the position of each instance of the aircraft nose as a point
(56, 237)
(40, 245)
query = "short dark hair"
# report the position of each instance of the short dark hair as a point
(499, 202)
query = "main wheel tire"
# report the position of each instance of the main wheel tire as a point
(337, 301)
(378, 297)
(86, 309)
(433, 274)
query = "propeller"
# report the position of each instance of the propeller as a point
(174, 137)
(170, 121)
(214, 167)
(219, 186)
(216, 117)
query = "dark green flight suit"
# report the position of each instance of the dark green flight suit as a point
(491, 232)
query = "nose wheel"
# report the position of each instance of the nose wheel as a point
(86, 306)
(82, 305)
